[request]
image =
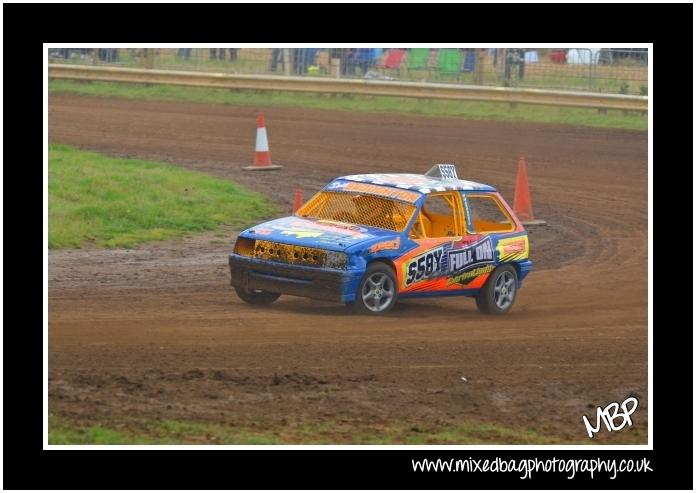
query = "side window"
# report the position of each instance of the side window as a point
(488, 215)
(438, 205)
(440, 216)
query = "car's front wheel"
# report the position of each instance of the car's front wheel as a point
(377, 291)
(256, 296)
(499, 292)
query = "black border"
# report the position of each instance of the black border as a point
(27, 26)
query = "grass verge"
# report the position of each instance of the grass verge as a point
(112, 202)
(470, 110)
(164, 432)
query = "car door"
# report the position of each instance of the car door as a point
(440, 224)
(492, 225)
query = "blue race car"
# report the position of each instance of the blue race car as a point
(367, 240)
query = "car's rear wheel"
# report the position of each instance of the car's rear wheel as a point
(256, 296)
(377, 291)
(498, 294)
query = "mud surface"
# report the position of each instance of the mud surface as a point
(156, 332)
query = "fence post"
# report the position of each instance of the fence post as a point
(286, 61)
(149, 58)
(592, 69)
(502, 60)
(479, 67)
(334, 68)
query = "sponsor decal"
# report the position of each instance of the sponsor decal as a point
(309, 229)
(299, 233)
(468, 276)
(386, 245)
(467, 212)
(460, 264)
(354, 232)
(470, 256)
(333, 239)
(388, 192)
(424, 266)
(518, 246)
(515, 248)
(262, 231)
(394, 179)
(349, 229)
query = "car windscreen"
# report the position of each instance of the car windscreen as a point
(359, 208)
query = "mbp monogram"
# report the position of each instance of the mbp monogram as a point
(610, 414)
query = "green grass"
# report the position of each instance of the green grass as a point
(380, 104)
(326, 432)
(111, 202)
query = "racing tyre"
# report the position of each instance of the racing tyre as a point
(499, 292)
(377, 291)
(256, 296)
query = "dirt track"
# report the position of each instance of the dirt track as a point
(157, 332)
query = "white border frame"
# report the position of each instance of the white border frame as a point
(649, 446)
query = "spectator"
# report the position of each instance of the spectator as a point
(348, 61)
(108, 54)
(301, 58)
(184, 53)
(276, 58)
(58, 52)
(363, 59)
(358, 57)
(469, 60)
(514, 57)
(340, 55)
(216, 53)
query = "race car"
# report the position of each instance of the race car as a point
(368, 240)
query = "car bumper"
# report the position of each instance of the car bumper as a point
(297, 280)
(525, 266)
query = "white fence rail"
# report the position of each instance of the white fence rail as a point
(370, 87)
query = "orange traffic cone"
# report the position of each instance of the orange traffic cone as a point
(523, 201)
(298, 200)
(262, 158)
